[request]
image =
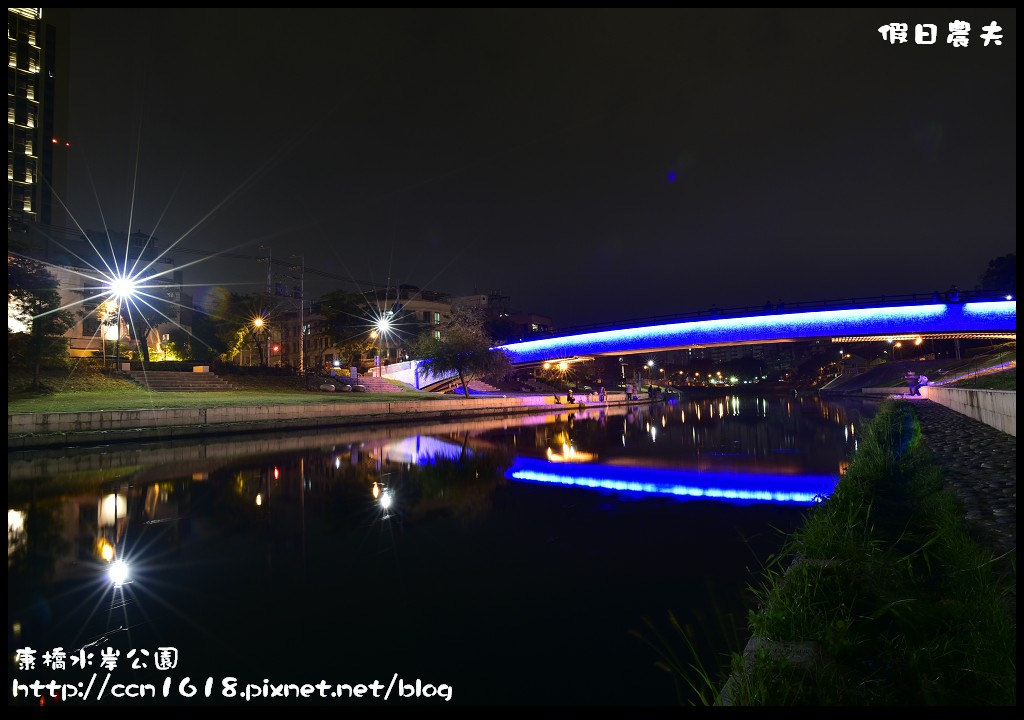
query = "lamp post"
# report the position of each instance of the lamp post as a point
(117, 347)
(259, 324)
(302, 308)
(120, 288)
(650, 372)
(381, 328)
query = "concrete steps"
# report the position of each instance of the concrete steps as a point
(170, 381)
(376, 384)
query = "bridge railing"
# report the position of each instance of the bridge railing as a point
(715, 312)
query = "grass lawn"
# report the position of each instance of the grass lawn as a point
(83, 392)
(949, 367)
(1006, 380)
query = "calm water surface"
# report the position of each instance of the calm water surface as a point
(527, 560)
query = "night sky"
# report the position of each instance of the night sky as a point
(593, 165)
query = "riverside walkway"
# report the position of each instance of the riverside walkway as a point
(979, 465)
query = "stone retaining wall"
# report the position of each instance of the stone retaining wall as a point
(29, 430)
(996, 408)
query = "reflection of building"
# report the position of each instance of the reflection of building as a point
(84, 532)
(37, 141)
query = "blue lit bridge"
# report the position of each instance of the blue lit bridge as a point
(865, 319)
(899, 320)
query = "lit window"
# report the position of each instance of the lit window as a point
(437, 334)
(437, 320)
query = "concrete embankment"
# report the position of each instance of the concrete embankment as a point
(34, 430)
(995, 408)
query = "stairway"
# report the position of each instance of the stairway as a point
(376, 384)
(171, 381)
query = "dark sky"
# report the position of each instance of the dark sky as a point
(593, 165)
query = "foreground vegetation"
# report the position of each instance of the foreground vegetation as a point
(881, 598)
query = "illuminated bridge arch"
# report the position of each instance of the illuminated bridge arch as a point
(881, 321)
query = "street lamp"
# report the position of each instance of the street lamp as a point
(121, 287)
(650, 371)
(260, 325)
(380, 330)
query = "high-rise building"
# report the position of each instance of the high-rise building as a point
(37, 111)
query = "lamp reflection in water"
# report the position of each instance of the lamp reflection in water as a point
(118, 573)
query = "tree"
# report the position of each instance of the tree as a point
(225, 325)
(33, 304)
(346, 324)
(463, 348)
(1000, 276)
(179, 345)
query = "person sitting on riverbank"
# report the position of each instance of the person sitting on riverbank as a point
(916, 387)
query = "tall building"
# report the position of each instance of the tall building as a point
(37, 112)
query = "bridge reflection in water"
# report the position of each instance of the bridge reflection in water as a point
(735, 486)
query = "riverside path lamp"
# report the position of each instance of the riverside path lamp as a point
(121, 288)
(259, 325)
(380, 329)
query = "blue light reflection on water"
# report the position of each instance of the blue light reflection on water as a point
(227, 538)
(734, 487)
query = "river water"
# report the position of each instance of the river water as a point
(527, 560)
